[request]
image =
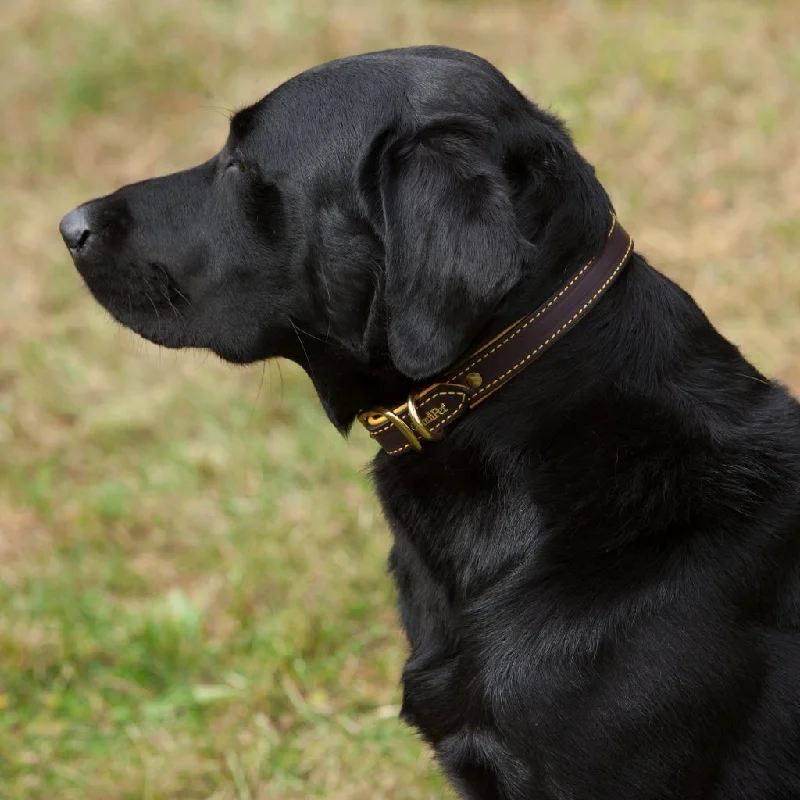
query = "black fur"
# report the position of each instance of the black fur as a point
(599, 568)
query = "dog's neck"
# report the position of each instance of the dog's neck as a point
(349, 382)
(427, 415)
(574, 453)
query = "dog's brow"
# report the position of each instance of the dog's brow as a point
(241, 122)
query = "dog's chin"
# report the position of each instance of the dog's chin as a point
(165, 330)
(149, 303)
(143, 298)
(159, 330)
(240, 353)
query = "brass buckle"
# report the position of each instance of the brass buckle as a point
(402, 427)
(418, 424)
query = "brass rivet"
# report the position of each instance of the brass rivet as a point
(474, 380)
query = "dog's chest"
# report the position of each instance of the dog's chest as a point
(455, 539)
(426, 613)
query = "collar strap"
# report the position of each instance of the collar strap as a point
(425, 415)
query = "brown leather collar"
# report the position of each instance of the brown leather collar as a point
(424, 416)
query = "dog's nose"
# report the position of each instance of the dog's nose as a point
(75, 228)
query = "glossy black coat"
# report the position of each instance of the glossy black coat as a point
(599, 568)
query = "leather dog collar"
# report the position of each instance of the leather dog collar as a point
(424, 416)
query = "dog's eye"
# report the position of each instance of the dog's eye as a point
(236, 164)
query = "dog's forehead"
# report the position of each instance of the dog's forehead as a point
(338, 104)
(324, 100)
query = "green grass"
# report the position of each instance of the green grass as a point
(193, 595)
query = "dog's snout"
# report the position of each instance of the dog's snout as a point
(75, 228)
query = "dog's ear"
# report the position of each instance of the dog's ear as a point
(453, 247)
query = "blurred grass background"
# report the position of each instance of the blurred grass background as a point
(193, 598)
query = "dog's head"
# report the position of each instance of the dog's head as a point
(366, 219)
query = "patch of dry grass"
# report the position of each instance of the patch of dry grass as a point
(191, 563)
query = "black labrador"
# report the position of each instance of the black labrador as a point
(599, 566)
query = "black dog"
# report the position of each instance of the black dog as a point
(599, 567)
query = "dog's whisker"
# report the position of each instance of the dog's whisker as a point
(130, 297)
(261, 382)
(330, 303)
(223, 110)
(280, 374)
(175, 311)
(152, 303)
(183, 296)
(755, 378)
(297, 332)
(310, 335)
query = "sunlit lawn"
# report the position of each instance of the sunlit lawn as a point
(193, 594)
